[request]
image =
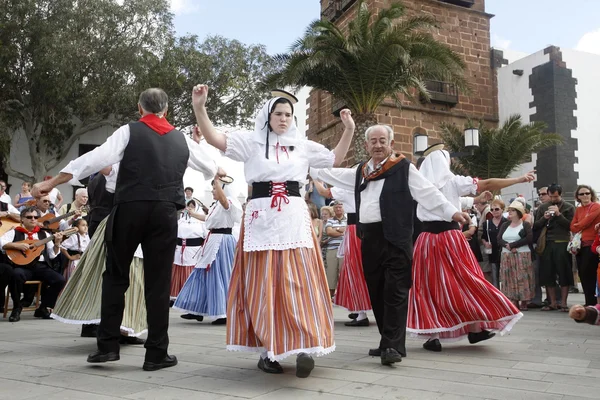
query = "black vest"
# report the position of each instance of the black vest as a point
(3, 206)
(152, 167)
(100, 201)
(41, 235)
(396, 204)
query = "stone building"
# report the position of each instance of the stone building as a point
(465, 27)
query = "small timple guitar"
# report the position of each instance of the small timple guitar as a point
(52, 222)
(36, 247)
(7, 223)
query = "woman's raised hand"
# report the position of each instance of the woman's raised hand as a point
(199, 96)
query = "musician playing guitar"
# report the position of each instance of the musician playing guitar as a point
(38, 269)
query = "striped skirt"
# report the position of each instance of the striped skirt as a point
(450, 293)
(205, 291)
(517, 276)
(80, 300)
(279, 303)
(179, 275)
(352, 292)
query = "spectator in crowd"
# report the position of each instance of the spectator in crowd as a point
(537, 302)
(555, 260)
(335, 228)
(4, 197)
(56, 197)
(489, 238)
(326, 214)
(79, 204)
(470, 233)
(20, 199)
(482, 206)
(516, 269)
(317, 222)
(587, 215)
(312, 194)
(189, 194)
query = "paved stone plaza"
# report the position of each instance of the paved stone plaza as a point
(547, 356)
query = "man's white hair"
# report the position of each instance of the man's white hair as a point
(81, 191)
(387, 128)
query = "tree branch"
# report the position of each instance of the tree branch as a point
(10, 171)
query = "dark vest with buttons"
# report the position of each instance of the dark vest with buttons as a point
(152, 167)
(395, 202)
(3, 206)
(100, 201)
(41, 235)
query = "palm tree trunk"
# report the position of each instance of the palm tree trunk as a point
(363, 122)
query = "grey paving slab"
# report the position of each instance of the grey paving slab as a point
(546, 356)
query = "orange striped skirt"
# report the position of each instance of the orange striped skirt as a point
(279, 303)
(179, 275)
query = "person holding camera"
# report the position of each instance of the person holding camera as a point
(556, 216)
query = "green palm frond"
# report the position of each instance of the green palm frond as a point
(376, 57)
(500, 150)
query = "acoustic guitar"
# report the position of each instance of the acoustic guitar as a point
(52, 222)
(7, 223)
(36, 247)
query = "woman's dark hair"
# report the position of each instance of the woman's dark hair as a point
(192, 202)
(77, 222)
(281, 100)
(593, 198)
(314, 212)
(519, 213)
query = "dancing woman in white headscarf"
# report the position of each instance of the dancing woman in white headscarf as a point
(450, 298)
(278, 302)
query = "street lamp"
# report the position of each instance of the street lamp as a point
(419, 144)
(471, 143)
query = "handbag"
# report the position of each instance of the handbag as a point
(541, 243)
(574, 244)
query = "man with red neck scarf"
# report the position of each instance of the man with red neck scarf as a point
(39, 269)
(153, 157)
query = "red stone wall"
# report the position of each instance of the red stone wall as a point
(466, 31)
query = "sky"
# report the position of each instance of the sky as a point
(519, 28)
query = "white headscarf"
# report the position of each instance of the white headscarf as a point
(261, 127)
(436, 168)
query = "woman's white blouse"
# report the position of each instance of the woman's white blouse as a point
(276, 223)
(218, 217)
(188, 228)
(453, 190)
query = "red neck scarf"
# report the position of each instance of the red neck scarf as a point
(159, 125)
(25, 231)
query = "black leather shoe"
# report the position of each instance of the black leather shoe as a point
(354, 322)
(353, 315)
(375, 352)
(131, 340)
(480, 337)
(220, 321)
(171, 302)
(270, 367)
(192, 316)
(89, 330)
(26, 302)
(15, 315)
(42, 313)
(390, 356)
(304, 365)
(168, 361)
(433, 345)
(100, 357)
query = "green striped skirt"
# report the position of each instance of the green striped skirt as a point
(79, 302)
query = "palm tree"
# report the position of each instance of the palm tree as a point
(366, 63)
(501, 150)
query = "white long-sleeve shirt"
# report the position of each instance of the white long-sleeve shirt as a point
(420, 188)
(112, 151)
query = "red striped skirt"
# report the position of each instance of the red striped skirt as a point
(352, 292)
(179, 274)
(450, 293)
(279, 303)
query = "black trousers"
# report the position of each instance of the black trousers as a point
(6, 276)
(152, 224)
(52, 282)
(388, 273)
(587, 264)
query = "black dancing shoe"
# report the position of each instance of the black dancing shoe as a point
(480, 336)
(131, 340)
(89, 330)
(192, 316)
(219, 321)
(168, 361)
(42, 312)
(171, 302)
(375, 352)
(354, 322)
(15, 315)
(390, 356)
(433, 345)
(100, 357)
(304, 365)
(353, 315)
(270, 367)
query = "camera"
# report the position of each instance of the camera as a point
(551, 213)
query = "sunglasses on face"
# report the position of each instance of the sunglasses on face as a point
(543, 194)
(31, 217)
(584, 194)
(496, 209)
